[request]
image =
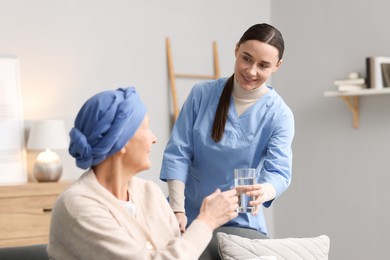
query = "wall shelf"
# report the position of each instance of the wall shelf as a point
(351, 98)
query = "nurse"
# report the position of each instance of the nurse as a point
(229, 123)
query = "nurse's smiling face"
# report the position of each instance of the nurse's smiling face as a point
(255, 62)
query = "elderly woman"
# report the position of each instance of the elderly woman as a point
(109, 213)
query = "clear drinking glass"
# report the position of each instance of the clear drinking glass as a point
(243, 179)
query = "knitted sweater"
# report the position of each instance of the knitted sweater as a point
(88, 222)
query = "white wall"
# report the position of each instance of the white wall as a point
(341, 174)
(70, 50)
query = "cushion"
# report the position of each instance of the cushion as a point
(235, 247)
(211, 251)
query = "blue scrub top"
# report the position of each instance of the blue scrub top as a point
(260, 138)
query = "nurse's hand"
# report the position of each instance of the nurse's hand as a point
(182, 219)
(258, 192)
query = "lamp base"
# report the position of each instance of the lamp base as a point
(47, 167)
(47, 172)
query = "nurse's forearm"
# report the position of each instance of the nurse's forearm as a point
(268, 191)
(176, 195)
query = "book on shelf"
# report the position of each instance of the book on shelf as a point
(357, 81)
(375, 72)
(386, 74)
(351, 87)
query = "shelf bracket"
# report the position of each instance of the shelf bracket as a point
(353, 105)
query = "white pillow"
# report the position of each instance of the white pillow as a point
(240, 248)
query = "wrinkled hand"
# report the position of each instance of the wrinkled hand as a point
(182, 220)
(218, 208)
(256, 191)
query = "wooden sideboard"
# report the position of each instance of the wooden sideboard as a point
(25, 212)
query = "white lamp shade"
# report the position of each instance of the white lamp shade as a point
(48, 134)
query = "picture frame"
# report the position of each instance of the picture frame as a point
(375, 74)
(12, 148)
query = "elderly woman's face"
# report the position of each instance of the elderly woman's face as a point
(139, 146)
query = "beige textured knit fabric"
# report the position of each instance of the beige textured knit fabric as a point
(240, 248)
(88, 222)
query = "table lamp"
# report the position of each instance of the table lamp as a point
(46, 135)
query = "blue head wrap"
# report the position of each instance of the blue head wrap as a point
(104, 124)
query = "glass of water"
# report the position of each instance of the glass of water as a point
(243, 179)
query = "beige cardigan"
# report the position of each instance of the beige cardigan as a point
(89, 223)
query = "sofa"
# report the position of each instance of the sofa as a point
(227, 244)
(33, 252)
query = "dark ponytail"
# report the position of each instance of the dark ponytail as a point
(222, 110)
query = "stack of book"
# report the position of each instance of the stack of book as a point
(352, 83)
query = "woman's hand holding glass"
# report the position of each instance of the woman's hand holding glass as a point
(256, 191)
(218, 208)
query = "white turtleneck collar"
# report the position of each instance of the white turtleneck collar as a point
(244, 99)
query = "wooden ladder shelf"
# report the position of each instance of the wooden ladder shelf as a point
(172, 75)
